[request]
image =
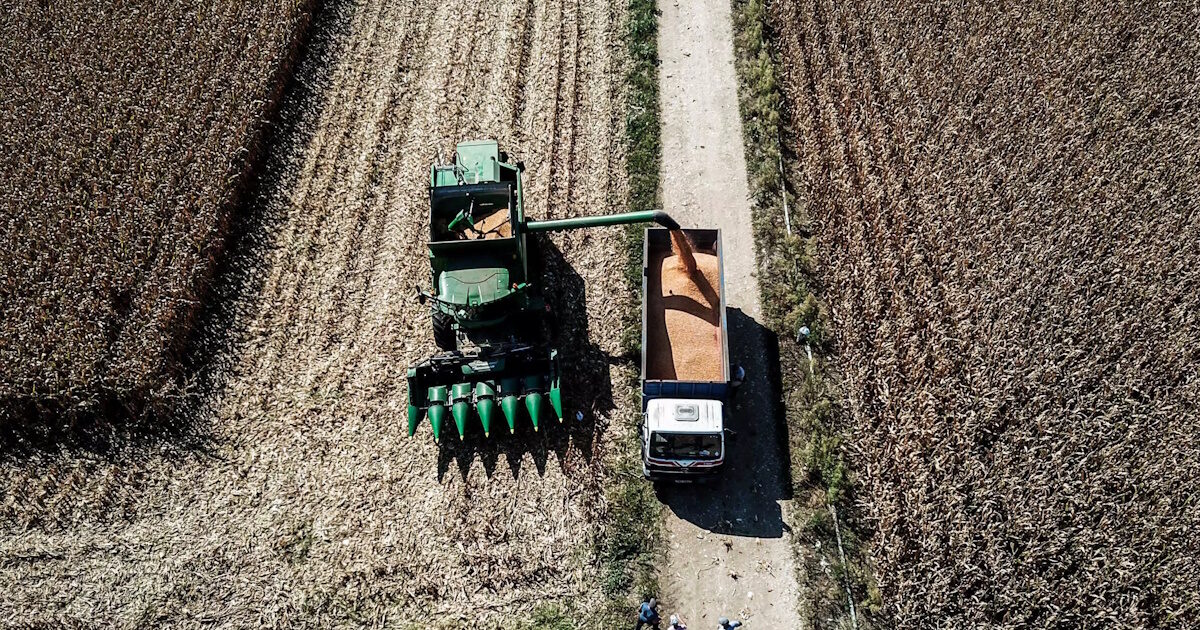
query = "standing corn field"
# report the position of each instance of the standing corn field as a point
(126, 131)
(1008, 238)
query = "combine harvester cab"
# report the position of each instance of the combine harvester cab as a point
(486, 311)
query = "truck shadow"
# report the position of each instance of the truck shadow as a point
(586, 387)
(743, 500)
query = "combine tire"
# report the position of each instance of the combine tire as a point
(443, 331)
(532, 328)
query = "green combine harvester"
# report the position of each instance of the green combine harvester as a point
(487, 312)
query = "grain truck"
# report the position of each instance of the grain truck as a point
(685, 356)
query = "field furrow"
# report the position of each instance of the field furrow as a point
(304, 502)
(1009, 256)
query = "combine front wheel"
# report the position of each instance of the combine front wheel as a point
(443, 331)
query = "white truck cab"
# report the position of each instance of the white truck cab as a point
(682, 438)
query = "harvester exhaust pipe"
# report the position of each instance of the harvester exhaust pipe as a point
(624, 218)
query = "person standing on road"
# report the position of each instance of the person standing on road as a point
(676, 623)
(739, 377)
(726, 624)
(647, 615)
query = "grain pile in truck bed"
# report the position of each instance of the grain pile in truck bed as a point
(683, 324)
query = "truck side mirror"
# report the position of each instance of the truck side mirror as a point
(420, 295)
(730, 434)
(739, 377)
(521, 165)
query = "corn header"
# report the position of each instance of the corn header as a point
(487, 312)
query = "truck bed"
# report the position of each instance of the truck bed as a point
(684, 342)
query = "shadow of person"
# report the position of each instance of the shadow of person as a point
(743, 499)
(585, 382)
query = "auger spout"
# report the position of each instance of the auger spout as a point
(623, 218)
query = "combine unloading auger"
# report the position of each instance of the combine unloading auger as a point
(496, 368)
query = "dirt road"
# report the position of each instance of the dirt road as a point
(730, 552)
(299, 500)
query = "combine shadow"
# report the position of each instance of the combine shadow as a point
(586, 386)
(743, 500)
(179, 422)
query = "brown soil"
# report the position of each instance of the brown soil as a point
(683, 318)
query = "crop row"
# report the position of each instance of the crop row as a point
(1008, 240)
(126, 134)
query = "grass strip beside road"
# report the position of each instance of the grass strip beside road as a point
(631, 538)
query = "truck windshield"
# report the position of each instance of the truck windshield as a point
(685, 445)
